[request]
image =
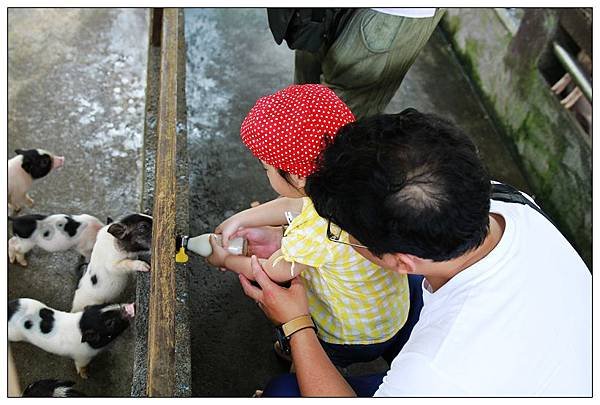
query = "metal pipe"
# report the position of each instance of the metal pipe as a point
(574, 70)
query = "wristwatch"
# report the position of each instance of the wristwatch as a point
(285, 331)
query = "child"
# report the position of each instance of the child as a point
(358, 307)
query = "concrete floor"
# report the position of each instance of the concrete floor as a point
(76, 82)
(232, 61)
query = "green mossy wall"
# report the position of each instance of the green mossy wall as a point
(555, 154)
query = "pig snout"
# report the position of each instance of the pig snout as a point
(58, 161)
(128, 310)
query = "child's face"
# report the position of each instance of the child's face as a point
(280, 184)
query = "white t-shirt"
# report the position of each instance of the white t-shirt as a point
(411, 12)
(516, 323)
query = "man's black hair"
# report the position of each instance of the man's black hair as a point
(404, 183)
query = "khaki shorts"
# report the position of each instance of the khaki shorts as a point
(367, 62)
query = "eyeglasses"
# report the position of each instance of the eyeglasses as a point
(335, 234)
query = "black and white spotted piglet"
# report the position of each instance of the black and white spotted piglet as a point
(54, 233)
(52, 388)
(28, 165)
(80, 336)
(114, 258)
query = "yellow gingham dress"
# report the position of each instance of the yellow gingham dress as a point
(351, 300)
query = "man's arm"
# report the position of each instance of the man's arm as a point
(317, 376)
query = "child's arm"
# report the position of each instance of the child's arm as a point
(277, 270)
(280, 271)
(269, 213)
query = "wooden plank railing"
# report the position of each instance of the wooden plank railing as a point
(161, 316)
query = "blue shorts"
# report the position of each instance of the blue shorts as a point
(365, 386)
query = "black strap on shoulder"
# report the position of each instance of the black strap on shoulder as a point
(507, 193)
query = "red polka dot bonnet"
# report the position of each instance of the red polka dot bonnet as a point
(287, 129)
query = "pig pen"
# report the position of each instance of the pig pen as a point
(77, 88)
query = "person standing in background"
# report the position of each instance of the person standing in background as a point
(361, 54)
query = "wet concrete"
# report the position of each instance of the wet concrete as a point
(76, 82)
(232, 61)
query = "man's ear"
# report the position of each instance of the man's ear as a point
(117, 230)
(299, 182)
(400, 262)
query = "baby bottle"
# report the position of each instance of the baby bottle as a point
(201, 244)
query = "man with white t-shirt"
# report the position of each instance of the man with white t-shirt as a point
(364, 53)
(506, 299)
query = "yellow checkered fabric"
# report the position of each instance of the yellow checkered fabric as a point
(351, 300)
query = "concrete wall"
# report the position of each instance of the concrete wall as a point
(554, 152)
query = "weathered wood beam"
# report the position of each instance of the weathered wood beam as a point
(161, 317)
(14, 388)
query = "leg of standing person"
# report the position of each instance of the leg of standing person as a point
(286, 385)
(367, 62)
(307, 67)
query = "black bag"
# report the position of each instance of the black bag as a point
(307, 29)
(507, 193)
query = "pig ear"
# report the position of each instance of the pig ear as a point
(90, 336)
(109, 220)
(19, 151)
(118, 230)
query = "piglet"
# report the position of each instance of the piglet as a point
(52, 388)
(27, 166)
(52, 233)
(80, 336)
(114, 257)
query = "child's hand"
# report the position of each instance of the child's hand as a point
(228, 228)
(218, 255)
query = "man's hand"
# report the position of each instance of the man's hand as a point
(263, 241)
(218, 255)
(280, 304)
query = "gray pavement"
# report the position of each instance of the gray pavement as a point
(76, 82)
(232, 61)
